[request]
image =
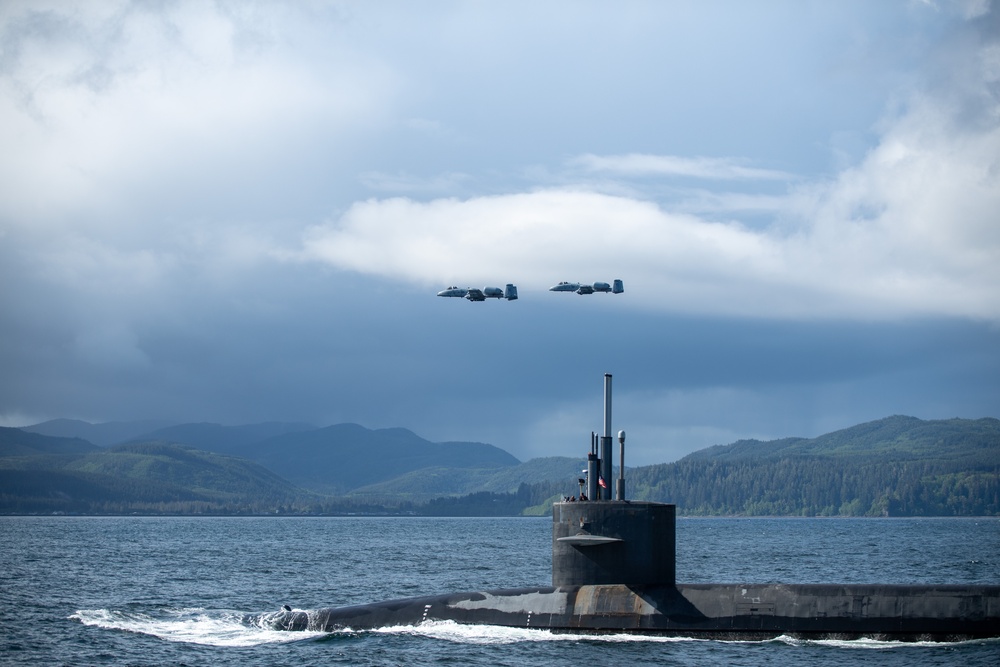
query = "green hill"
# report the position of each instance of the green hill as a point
(428, 483)
(333, 460)
(15, 442)
(150, 477)
(229, 440)
(897, 437)
(897, 466)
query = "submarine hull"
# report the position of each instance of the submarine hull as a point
(718, 611)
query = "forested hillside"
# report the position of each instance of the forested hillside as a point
(898, 466)
(157, 478)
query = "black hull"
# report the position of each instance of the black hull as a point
(716, 611)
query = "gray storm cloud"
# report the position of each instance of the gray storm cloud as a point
(238, 211)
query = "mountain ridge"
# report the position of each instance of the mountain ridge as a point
(896, 465)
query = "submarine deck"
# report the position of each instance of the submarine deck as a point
(718, 611)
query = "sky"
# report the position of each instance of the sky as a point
(240, 212)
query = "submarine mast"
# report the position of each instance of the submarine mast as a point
(605, 491)
(605, 541)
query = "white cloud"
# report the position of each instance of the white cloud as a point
(911, 231)
(674, 165)
(109, 112)
(103, 106)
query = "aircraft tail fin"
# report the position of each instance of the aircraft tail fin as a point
(619, 287)
(510, 292)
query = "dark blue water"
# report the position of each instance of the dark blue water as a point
(172, 591)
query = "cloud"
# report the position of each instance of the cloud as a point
(910, 231)
(673, 165)
(184, 229)
(112, 108)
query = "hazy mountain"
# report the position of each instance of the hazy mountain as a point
(893, 466)
(335, 459)
(232, 440)
(109, 433)
(17, 442)
(340, 458)
(208, 436)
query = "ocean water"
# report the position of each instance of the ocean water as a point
(174, 591)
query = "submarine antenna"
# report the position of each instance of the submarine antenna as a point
(606, 439)
(621, 467)
(593, 469)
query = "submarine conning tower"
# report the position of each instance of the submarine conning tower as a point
(604, 541)
(613, 542)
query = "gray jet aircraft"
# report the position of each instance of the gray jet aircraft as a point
(583, 288)
(476, 294)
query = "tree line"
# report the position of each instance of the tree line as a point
(820, 487)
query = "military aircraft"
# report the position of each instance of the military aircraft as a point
(476, 294)
(582, 288)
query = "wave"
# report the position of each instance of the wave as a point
(193, 626)
(498, 634)
(237, 629)
(494, 634)
(880, 644)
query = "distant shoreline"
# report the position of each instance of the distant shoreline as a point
(413, 515)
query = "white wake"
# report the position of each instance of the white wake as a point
(193, 626)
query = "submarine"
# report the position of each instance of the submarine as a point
(613, 571)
